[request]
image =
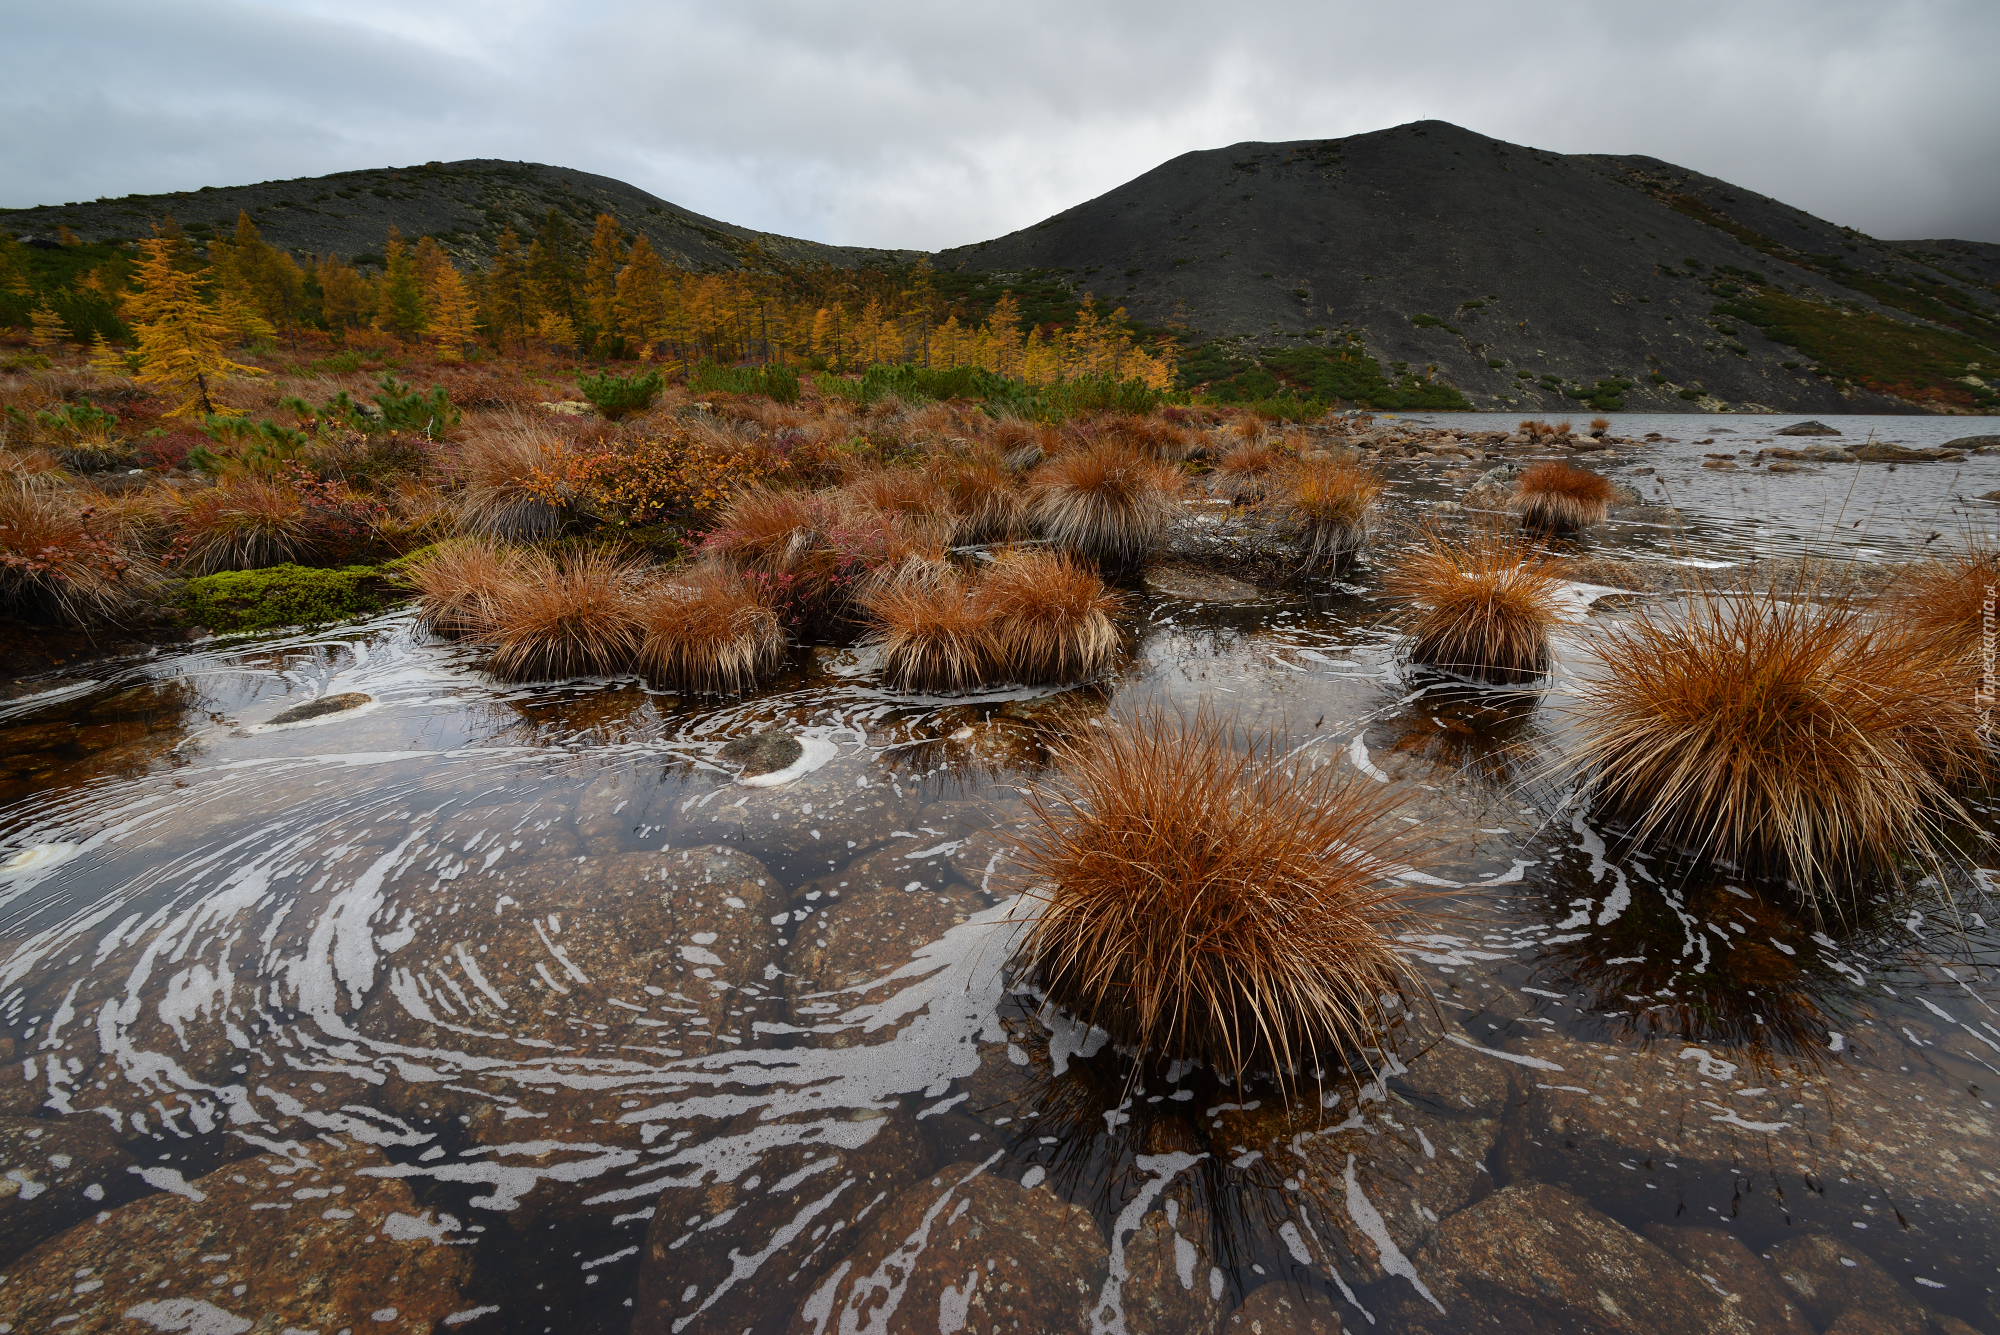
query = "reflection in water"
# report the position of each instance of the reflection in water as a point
(541, 986)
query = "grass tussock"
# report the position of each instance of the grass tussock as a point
(461, 586)
(1328, 502)
(983, 499)
(1107, 502)
(568, 617)
(1481, 609)
(1050, 617)
(1556, 497)
(708, 632)
(246, 523)
(1773, 733)
(53, 563)
(1203, 902)
(1941, 606)
(514, 479)
(933, 637)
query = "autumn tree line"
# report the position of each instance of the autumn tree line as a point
(608, 294)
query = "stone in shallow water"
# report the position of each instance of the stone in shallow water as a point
(866, 934)
(254, 1248)
(326, 704)
(1723, 1262)
(1201, 586)
(54, 1173)
(762, 753)
(1532, 1257)
(1283, 1309)
(1831, 1281)
(1807, 428)
(797, 1208)
(967, 1252)
(1168, 1290)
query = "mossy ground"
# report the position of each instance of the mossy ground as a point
(286, 595)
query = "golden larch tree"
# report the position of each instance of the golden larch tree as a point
(452, 313)
(600, 274)
(180, 333)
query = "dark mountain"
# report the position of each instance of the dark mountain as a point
(465, 205)
(1524, 278)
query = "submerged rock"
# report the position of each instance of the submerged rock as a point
(273, 1243)
(1833, 1282)
(1285, 1309)
(1724, 1263)
(320, 708)
(54, 1173)
(1172, 1285)
(967, 1251)
(1532, 1257)
(841, 946)
(1201, 586)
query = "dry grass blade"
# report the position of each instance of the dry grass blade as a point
(1771, 732)
(708, 632)
(1050, 617)
(1106, 502)
(932, 636)
(1329, 502)
(569, 618)
(1555, 497)
(1199, 902)
(1481, 609)
(461, 586)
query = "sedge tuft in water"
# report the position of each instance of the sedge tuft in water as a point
(1197, 901)
(933, 638)
(571, 617)
(1107, 502)
(707, 632)
(1050, 617)
(461, 585)
(1555, 497)
(1772, 732)
(1328, 502)
(1481, 608)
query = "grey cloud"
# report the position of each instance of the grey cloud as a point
(928, 125)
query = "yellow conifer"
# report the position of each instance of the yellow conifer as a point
(47, 328)
(180, 333)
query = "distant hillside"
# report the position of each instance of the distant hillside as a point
(1523, 278)
(465, 205)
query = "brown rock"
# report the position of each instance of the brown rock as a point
(1533, 1248)
(55, 1172)
(1167, 1289)
(331, 1248)
(989, 1254)
(1450, 1079)
(1281, 1309)
(320, 708)
(687, 1269)
(1881, 452)
(1199, 586)
(1726, 1265)
(864, 935)
(1829, 1280)
(1806, 428)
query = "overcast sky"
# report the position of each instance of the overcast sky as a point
(930, 125)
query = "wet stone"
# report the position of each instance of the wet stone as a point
(1451, 1079)
(1536, 1258)
(843, 944)
(761, 753)
(1609, 1120)
(320, 708)
(1285, 1309)
(1810, 427)
(966, 1251)
(57, 1172)
(1830, 1281)
(797, 1209)
(1201, 586)
(256, 1248)
(1172, 1285)
(1722, 1262)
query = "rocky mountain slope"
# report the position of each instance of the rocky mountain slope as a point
(465, 205)
(1525, 278)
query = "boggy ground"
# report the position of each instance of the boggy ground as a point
(576, 1031)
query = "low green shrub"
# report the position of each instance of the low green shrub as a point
(619, 396)
(776, 382)
(285, 595)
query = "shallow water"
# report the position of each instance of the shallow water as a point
(517, 1003)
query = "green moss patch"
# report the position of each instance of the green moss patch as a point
(1888, 356)
(287, 595)
(1319, 376)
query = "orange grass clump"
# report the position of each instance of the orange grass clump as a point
(1328, 501)
(461, 585)
(1555, 497)
(708, 632)
(1482, 609)
(515, 477)
(567, 618)
(766, 530)
(1049, 616)
(932, 635)
(1775, 733)
(246, 523)
(898, 490)
(1106, 502)
(52, 562)
(1203, 902)
(983, 500)
(1940, 605)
